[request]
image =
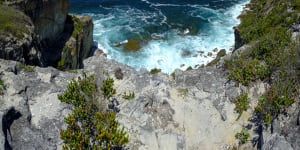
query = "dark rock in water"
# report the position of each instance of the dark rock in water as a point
(185, 53)
(133, 44)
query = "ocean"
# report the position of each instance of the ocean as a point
(164, 34)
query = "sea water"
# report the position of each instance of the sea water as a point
(169, 34)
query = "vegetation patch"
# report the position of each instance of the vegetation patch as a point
(77, 25)
(13, 22)
(129, 95)
(241, 104)
(107, 88)
(87, 126)
(272, 55)
(246, 70)
(281, 95)
(242, 136)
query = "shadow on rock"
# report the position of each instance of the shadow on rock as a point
(7, 120)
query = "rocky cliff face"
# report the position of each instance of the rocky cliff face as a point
(238, 42)
(17, 37)
(78, 45)
(52, 38)
(48, 16)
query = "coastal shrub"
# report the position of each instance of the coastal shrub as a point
(155, 71)
(296, 5)
(242, 136)
(241, 103)
(245, 71)
(272, 56)
(282, 94)
(87, 126)
(107, 88)
(129, 95)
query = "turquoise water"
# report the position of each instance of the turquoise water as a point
(170, 34)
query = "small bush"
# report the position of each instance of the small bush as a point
(242, 136)
(87, 126)
(128, 96)
(241, 103)
(107, 88)
(155, 71)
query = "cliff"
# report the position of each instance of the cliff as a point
(51, 32)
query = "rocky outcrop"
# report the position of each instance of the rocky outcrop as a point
(54, 40)
(238, 41)
(31, 114)
(276, 142)
(79, 44)
(191, 111)
(48, 16)
(17, 37)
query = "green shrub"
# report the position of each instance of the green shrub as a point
(242, 136)
(241, 104)
(128, 96)
(155, 71)
(272, 53)
(281, 95)
(245, 71)
(107, 88)
(87, 126)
